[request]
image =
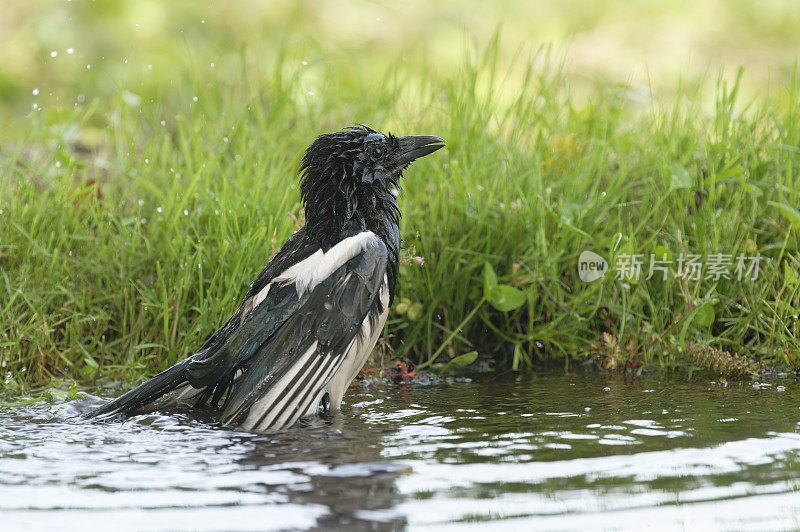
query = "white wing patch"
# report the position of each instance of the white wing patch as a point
(309, 272)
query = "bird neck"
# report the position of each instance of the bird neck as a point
(332, 217)
(335, 216)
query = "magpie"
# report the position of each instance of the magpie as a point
(313, 315)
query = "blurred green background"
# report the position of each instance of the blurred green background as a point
(148, 153)
(60, 52)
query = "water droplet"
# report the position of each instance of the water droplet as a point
(53, 54)
(70, 51)
(35, 92)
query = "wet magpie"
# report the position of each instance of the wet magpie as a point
(314, 313)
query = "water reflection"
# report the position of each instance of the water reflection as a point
(551, 452)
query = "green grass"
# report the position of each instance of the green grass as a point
(130, 228)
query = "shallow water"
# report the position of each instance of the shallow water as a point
(545, 452)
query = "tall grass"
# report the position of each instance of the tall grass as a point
(131, 229)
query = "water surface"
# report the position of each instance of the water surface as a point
(545, 452)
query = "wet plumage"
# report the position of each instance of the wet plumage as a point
(312, 316)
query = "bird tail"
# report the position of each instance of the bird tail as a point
(146, 392)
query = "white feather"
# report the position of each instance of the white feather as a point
(358, 352)
(311, 271)
(284, 404)
(265, 407)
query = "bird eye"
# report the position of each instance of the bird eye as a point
(377, 153)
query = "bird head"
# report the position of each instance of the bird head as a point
(361, 158)
(355, 173)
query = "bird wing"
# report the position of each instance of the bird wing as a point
(340, 299)
(304, 296)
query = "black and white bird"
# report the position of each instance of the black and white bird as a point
(314, 313)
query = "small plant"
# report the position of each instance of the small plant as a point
(723, 362)
(613, 354)
(502, 297)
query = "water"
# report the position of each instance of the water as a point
(548, 452)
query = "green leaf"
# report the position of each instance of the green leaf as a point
(564, 220)
(506, 298)
(489, 280)
(679, 177)
(704, 316)
(90, 368)
(662, 253)
(790, 212)
(414, 311)
(577, 231)
(730, 171)
(402, 306)
(789, 276)
(462, 361)
(149, 346)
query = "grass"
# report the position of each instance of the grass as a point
(131, 227)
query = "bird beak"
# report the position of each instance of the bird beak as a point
(412, 148)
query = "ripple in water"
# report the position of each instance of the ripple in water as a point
(553, 452)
